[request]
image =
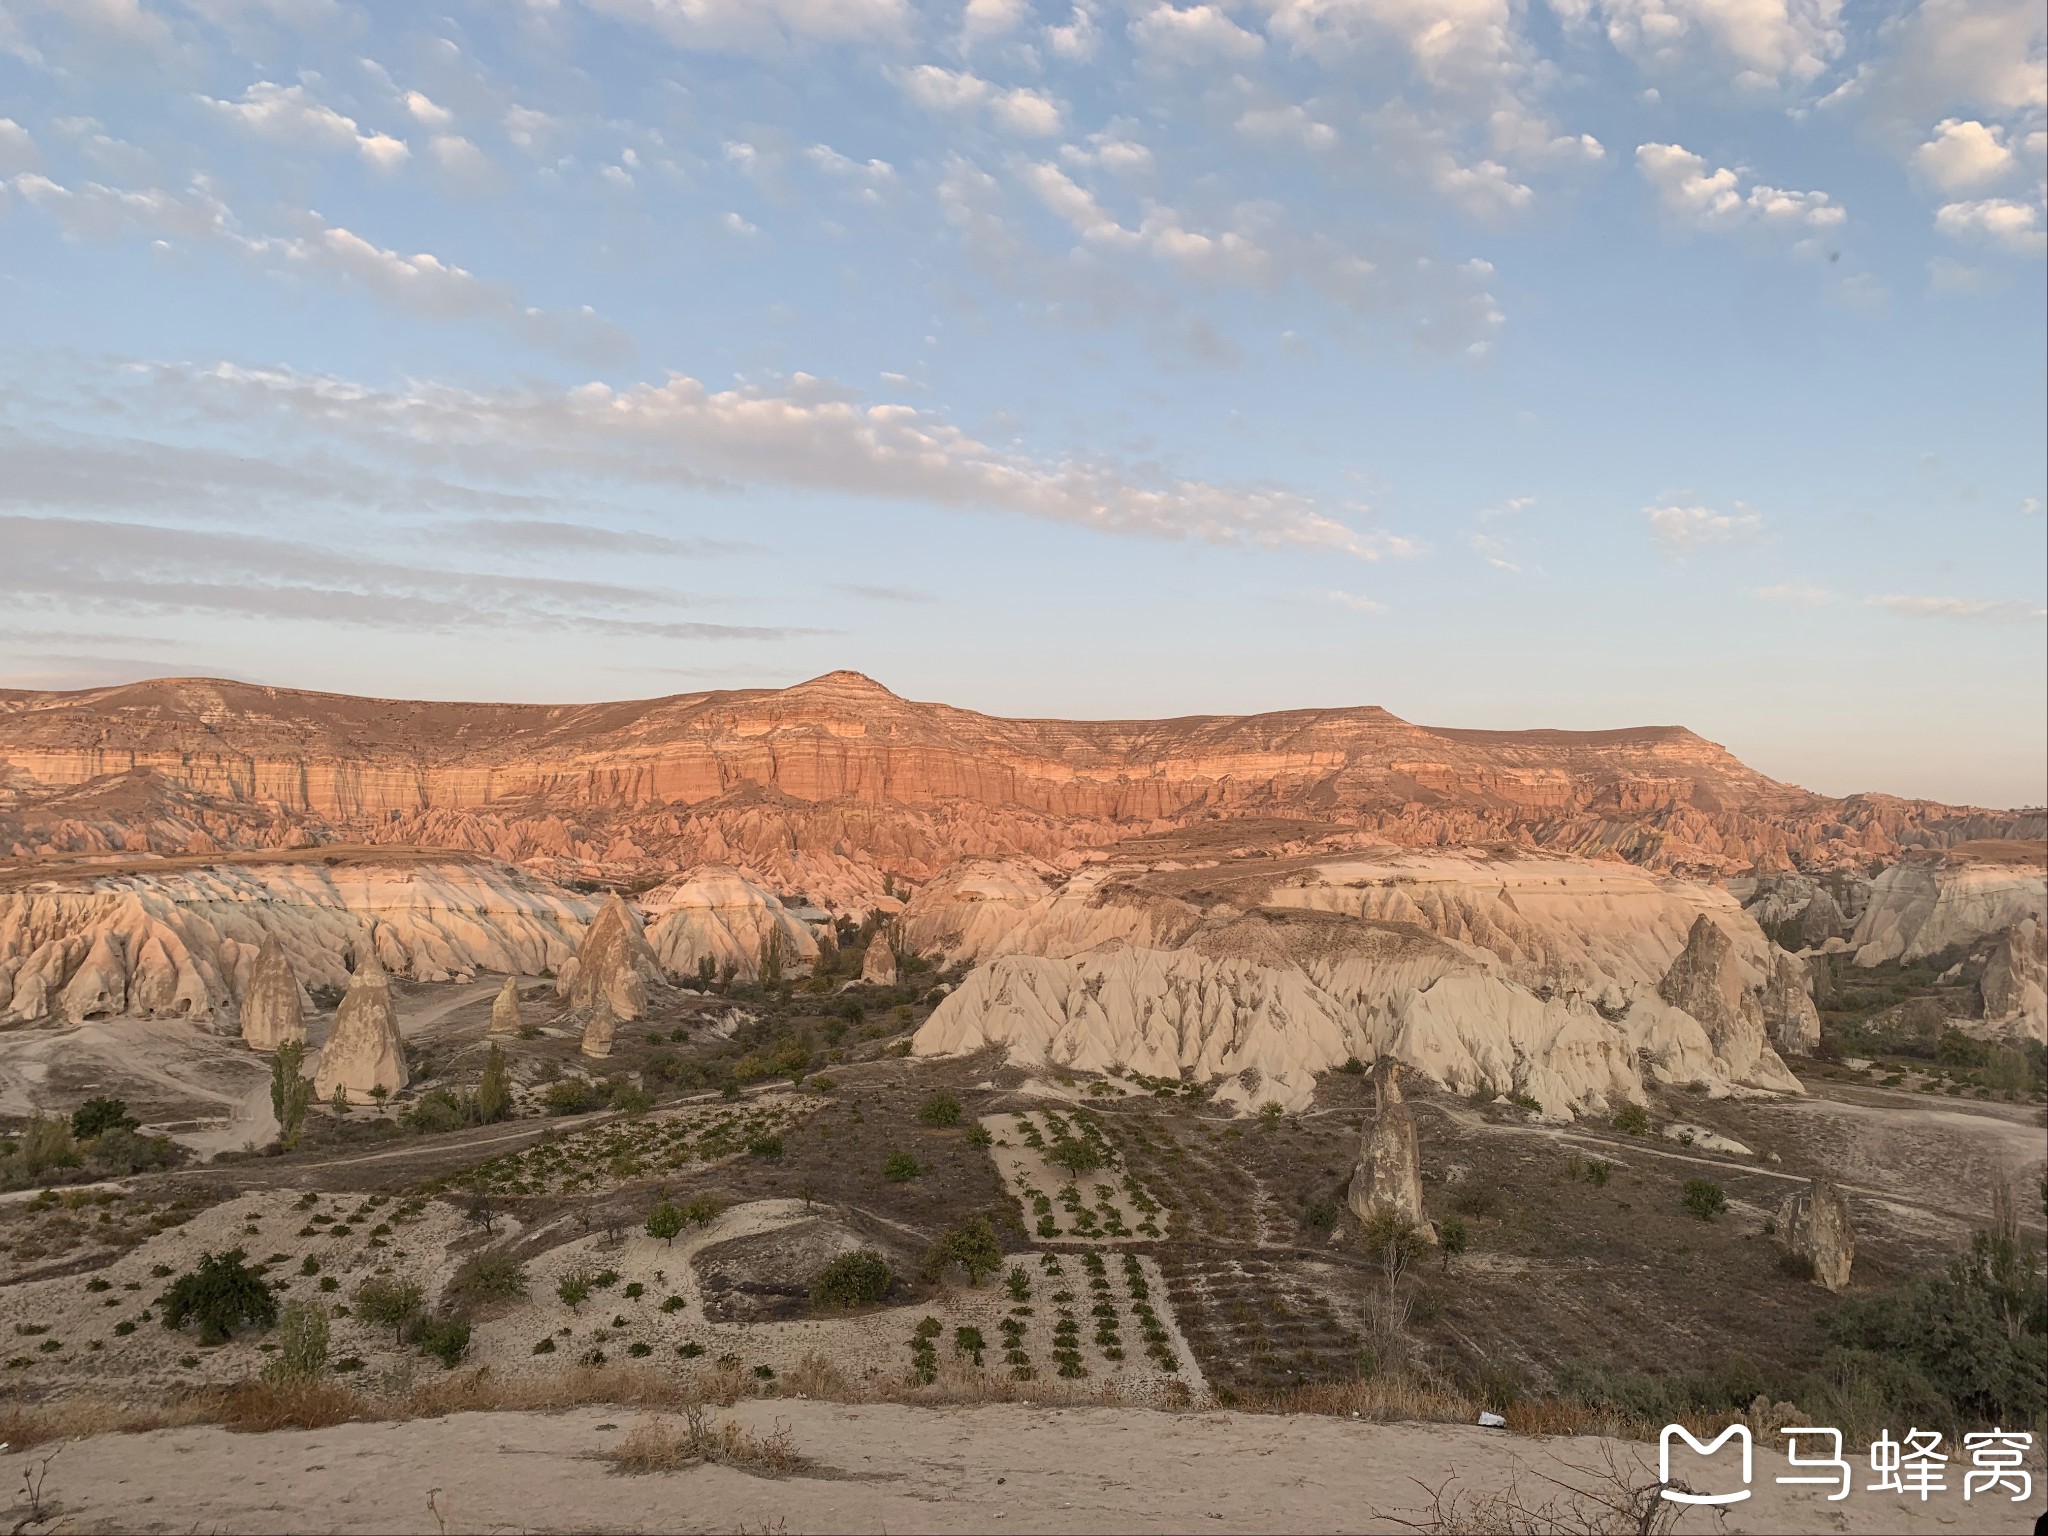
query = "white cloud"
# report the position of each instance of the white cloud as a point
(1979, 609)
(17, 148)
(457, 156)
(1495, 552)
(1524, 137)
(1078, 38)
(1027, 113)
(421, 284)
(426, 112)
(833, 163)
(734, 224)
(1717, 201)
(1021, 111)
(1485, 190)
(1114, 153)
(1451, 41)
(2030, 506)
(1685, 530)
(1976, 57)
(1355, 602)
(286, 114)
(1792, 595)
(1196, 35)
(1963, 155)
(1290, 123)
(2001, 222)
(527, 127)
(984, 19)
(1757, 44)
(806, 434)
(1227, 256)
(748, 26)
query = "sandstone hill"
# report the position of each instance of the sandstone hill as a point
(836, 785)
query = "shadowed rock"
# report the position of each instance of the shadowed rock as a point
(365, 1050)
(1788, 1007)
(599, 1029)
(1814, 1226)
(271, 1013)
(613, 965)
(505, 1019)
(878, 965)
(1388, 1178)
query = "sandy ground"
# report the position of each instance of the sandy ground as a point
(1027, 1172)
(881, 1468)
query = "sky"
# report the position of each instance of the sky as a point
(1505, 363)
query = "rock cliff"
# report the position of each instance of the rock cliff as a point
(832, 786)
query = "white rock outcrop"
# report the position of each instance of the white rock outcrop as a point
(1927, 903)
(1387, 1180)
(1814, 1226)
(1521, 974)
(717, 914)
(2015, 982)
(878, 961)
(182, 942)
(272, 1011)
(365, 1051)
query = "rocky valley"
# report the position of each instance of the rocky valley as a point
(824, 1044)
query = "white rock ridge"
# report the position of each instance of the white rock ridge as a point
(1927, 903)
(365, 1051)
(1519, 974)
(717, 914)
(183, 942)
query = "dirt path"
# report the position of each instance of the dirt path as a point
(888, 1468)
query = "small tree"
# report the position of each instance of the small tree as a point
(95, 1117)
(940, 1109)
(1704, 1199)
(901, 1168)
(380, 1093)
(222, 1293)
(973, 1247)
(388, 1304)
(770, 961)
(1632, 1120)
(574, 1289)
(340, 1100)
(302, 1334)
(666, 1222)
(291, 1095)
(1454, 1239)
(494, 1093)
(857, 1279)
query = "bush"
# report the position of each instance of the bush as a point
(1076, 1156)
(119, 1152)
(574, 1289)
(665, 1222)
(95, 1117)
(301, 1343)
(571, 1096)
(1632, 1120)
(439, 1111)
(444, 1338)
(1704, 1199)
(764, 1146)
(1320, 1215)
(940, 1109)
(219, 1295)
(901, 1168)
(973, 1247)
(488, 1277)
(858, 1279)
(388, 1303)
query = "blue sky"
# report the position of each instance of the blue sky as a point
(1582, 363)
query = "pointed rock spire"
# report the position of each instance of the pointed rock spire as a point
(1814, 1225)
(1388, 1178)
(599, 1029)
(365, 1050)
(613, 964)
(505, 1019)
(878, 965)
(271, 1013)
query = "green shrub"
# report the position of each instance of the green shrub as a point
(488, 1277)
(764, 1146)
(574, 1289)
(388, 1303)
(974, 1247)
(1632, 1120)
(95, 1117)
(858, 1279)
(1704, 1199)
(220, 1295)
(571, 1096)
(900, 1168)
(446, 1339)
(940, 1109)
(665, 1222)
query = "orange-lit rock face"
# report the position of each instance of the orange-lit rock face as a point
(831, 785)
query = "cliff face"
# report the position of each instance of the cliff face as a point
(831, 784)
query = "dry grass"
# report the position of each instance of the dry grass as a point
(671, 1444)
(1615, 1496)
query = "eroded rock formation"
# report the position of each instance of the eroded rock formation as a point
(1531, 975)
(365, 1051)
(600, 1027)
(613, 966)
(716, 914)
(878, 964)
(271, 1010)
(505, 1017)
(1387, 1180)
(1814, 1226)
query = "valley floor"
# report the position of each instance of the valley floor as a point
(886, 1468)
